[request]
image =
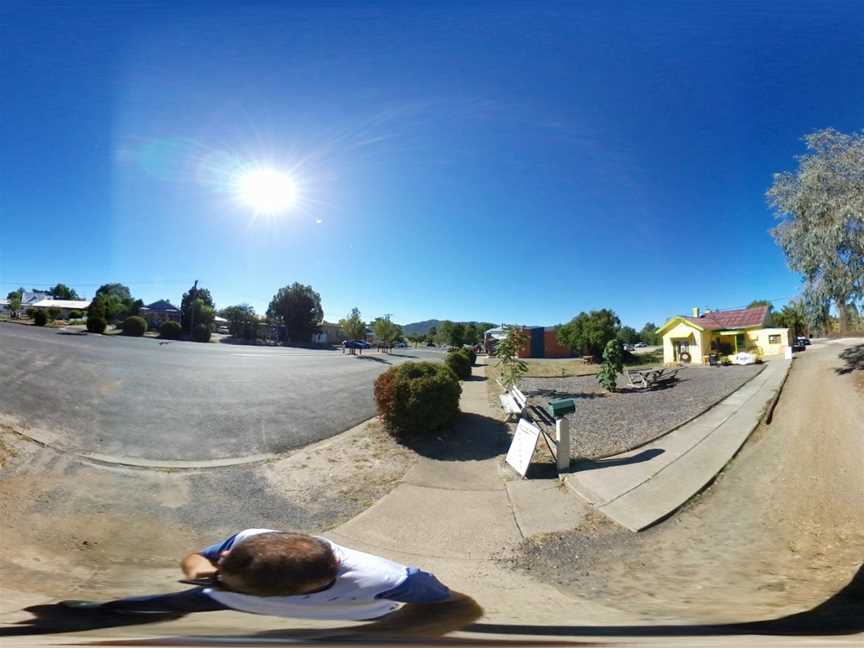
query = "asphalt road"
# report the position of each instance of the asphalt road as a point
(138, 398)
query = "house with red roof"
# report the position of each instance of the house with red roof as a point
(722, 334)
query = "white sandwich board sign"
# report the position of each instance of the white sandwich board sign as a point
(522, 447)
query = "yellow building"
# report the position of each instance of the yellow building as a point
(723, 334)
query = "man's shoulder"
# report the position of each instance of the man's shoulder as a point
(366, 569)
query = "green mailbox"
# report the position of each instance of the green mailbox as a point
(561, 407)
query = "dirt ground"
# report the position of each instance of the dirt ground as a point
(779, 531)
(79, 526)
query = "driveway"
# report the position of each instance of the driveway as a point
(142, 399)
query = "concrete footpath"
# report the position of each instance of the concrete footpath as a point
(640, 487)
(455, 516)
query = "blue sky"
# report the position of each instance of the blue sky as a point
(486, 161)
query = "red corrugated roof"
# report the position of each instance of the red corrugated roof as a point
(731, 319)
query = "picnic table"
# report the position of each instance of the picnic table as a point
(647, 378)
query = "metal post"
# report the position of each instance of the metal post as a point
(562, 436)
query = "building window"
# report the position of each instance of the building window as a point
(773, 339)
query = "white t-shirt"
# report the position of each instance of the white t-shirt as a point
(356, 594)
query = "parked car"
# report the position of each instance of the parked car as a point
(400, 345)
(360, 344)
(430, 344)
(799, 345)
(629, 347)
(640, 345)
(802, 340)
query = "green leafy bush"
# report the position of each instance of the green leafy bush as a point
(134, 326)
(40, 318)
(75, 315)
(97, 320)
(96, 324)
(54, 314)
(612, 365)
(507, 350)
(170, 330)
(30, 313)
(201, 333)
(417, 398)
(459, 363)
(471, 353)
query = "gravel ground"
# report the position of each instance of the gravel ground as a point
(606, 424)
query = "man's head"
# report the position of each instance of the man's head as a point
(278, 564)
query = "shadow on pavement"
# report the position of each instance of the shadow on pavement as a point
(472, 438)
(55, 619)
(594, 464)
(854, 359)
(842, 614)
(373, 359)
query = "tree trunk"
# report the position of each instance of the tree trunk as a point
(843, 316)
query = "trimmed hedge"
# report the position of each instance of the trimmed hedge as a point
(471, 353)
(459, 363)
(97, 324)
(40, 318)
(170, 330)
(134, 326)
(201, 333)
(415, 399)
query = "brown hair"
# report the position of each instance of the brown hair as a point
(280, 564)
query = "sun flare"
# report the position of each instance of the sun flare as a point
(266, 191)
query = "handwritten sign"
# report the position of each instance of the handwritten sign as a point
(522, 447)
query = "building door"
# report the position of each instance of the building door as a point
(681, 349)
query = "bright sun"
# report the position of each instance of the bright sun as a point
(267, 191)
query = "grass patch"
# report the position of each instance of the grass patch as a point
(652, 359)
(560, 368)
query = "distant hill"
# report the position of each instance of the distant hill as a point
(422, 328)
(419, 328)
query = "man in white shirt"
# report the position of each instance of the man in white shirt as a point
(276, 573)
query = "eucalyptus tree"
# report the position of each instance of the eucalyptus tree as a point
(821, 211)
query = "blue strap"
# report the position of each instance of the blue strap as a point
(213, 552)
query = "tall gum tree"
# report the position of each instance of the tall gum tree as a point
(821, 211)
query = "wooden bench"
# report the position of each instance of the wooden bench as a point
(650, 378)
(513, 402)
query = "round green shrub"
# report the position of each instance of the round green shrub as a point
(97, 324)
(75, 314)
(471, 353)
(170, 330)
(459, 363)
(134, 326)
(201, 333)
(415, 399)
(40, 318)
(30, 313)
